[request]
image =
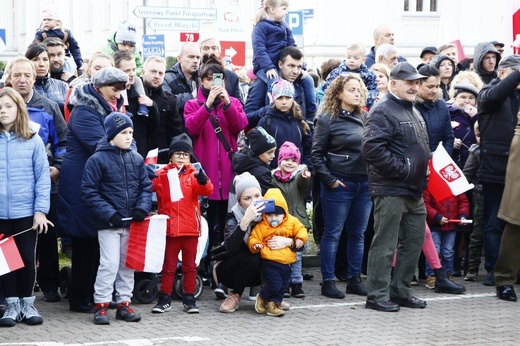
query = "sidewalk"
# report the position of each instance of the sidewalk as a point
(474, 318)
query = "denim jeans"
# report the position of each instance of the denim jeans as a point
(445, 246)
(344, 209)
(296, 270)
(493, 227)
(398, 225)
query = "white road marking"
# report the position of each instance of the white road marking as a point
(446, 297)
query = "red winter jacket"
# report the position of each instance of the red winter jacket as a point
(453, 208)
(185, 213)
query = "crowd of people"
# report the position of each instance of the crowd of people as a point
(353, 137)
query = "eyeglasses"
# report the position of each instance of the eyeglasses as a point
(179, 155)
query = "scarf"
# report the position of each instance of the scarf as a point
(239, 212)
(205, 92)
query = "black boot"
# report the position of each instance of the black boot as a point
(444, 285)
(355, 286)
(328, 289)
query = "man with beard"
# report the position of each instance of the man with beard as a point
(56, 50)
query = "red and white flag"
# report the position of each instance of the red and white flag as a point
(10, 258)
(147, 243)
(151, 157)
(446, 178)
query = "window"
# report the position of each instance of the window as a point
(420, 6)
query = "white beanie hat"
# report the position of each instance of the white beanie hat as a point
(51, 12)
(126, 33)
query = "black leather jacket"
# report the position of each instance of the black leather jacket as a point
(396, 147)
(336, 147)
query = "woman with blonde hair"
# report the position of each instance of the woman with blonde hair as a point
(25, 179)
(382, 78)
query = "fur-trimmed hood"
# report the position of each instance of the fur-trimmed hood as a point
(87, 95)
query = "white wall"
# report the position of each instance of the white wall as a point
(335, 24)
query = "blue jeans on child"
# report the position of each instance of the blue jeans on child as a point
(276, 278)
(445, 246)
(296, 270)
(344, 208)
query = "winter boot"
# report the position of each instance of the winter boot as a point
(163, 304)
(11, 313)
(355, 286)
(101, 314)
(260, 304)
(28, 312)
(444, 285)
(328, 289)
(273, 309)
(126, 313)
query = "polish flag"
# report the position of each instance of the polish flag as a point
(446, 178)
(10, 258)
(147, 243)
(151, 157)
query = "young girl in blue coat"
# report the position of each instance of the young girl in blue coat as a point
(25, 186)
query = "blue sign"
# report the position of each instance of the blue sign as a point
(295, 21)
(153, 45)
(3, 43)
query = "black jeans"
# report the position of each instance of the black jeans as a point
(240, 271)
(20, 283)
(85, 262)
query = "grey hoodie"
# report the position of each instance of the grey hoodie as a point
(481, 50)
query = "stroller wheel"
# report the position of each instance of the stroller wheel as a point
(145, 291)
(65, 281)
(178, 286)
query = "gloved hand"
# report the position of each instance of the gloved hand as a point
(202, 179)
(139, 215)
(116, 220)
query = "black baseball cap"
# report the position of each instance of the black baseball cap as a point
(405, 71)
(428, 49)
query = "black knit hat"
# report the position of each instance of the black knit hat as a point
(181, 142)
(116, 122)
(260, 141)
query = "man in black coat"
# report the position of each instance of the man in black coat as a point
(396, 147)
(171, 123)
(498, 105)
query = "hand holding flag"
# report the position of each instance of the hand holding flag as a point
(446, 178)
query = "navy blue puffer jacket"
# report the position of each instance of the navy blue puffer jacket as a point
(115, 181)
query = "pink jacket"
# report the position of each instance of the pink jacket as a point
(206, 145)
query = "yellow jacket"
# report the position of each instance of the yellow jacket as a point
(290, 227)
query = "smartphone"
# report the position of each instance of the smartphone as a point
(218, 78)
(269, 206)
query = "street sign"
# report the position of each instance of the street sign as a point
(189, 36)
(308, 13)
(236, 50)
(295, 21)
(153, 45)
(176, 13)
(174, 24)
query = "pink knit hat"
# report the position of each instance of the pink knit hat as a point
(51, 12)
(289, 151)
